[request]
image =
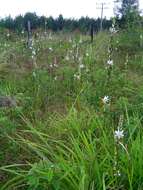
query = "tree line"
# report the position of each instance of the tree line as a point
(127, 15)
(83, 24)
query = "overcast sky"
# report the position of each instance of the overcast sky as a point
(68, 8)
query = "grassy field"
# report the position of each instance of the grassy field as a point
(75, 115)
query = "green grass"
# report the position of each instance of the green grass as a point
(61, 135)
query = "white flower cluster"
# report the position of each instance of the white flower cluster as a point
(33, 53)
(110, 62)
(81, 66)
(52, 65)
(77, 76)
(113, 29)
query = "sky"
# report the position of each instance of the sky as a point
(68, 8)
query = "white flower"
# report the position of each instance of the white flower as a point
(67, 58)
(110, 62)
(8, 34)
(34, 74)
(55, 65)
(33, 52)
(87, 54)
(81, 66)
(118, 134)
(113, 30)
(55, 78)
(51, 65)
(105, 100)
(77, 76)
(50, 48)
(118, 173)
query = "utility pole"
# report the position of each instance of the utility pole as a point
(101, 22)
(29, 34)
(102, 6)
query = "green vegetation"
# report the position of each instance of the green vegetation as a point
(77, 122)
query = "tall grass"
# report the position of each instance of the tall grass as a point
(61, 135)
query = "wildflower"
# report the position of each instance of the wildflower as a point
(33, 52)
(55, 78)
(87, 54)
(105, 100)
(77, 76)
(50, 48)
(112, 30)
(110, 62)
(34, 74)
(118, 173)
(81, 66)
(67, 58)
(55, 65)
(8, 34)
(51, 65)
(118, 134)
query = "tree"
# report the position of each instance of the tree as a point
(52, 24)
(33, 18)
(9, 23)
(128, 11)
(60, 22)
(19, 23)
(126, 7)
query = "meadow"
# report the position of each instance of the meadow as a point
(74, 118)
